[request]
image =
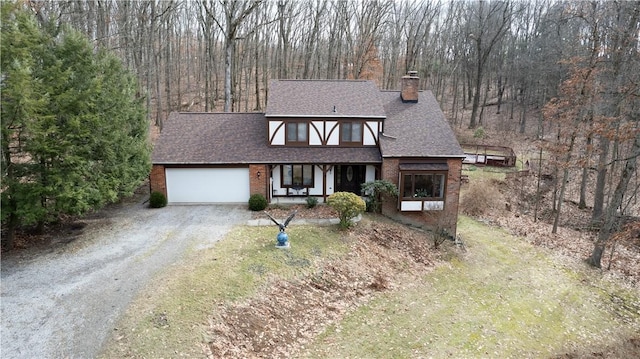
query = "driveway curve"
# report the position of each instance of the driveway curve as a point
(64, 302)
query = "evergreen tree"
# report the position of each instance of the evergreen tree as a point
(74, 132)
(22, 100)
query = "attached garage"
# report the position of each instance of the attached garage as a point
(207, 185)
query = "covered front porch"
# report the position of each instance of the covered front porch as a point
(293, 183)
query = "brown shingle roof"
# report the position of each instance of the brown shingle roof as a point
(317, 98)
(239, 138)
(416, 129)
(410, 129)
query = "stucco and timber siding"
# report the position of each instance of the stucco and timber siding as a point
(399, 131)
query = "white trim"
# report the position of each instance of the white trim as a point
(326, 116)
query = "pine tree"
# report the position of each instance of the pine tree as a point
(74, 131)
(22, 100)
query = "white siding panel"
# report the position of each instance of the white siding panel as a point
(433, 205)
(411, 206)
(316, 133)
(275, 133)
(370, 174)
(334, 133)
(369, 138)
(315, 139)
(207, 185)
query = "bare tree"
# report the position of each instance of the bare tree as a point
(235, 13)
(488, 27)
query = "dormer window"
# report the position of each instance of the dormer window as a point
(351, 133)
(297, 133)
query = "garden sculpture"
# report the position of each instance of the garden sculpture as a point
(282, 238)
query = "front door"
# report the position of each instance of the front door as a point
(349, 178)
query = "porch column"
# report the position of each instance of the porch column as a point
(324, 183)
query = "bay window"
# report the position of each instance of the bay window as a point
(423, 186)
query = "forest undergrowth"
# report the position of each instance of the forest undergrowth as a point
(523, 205)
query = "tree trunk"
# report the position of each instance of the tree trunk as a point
(476, 95)
(601, 181)
(12, 224)
(535, 211)
(523, 112)
(582, 203)
(610, 216)
(228, 58)
(257, 75)
(563, 186)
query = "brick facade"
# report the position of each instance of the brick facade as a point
(410, 85)
(158, 180)
(446, 218)
(259, 184)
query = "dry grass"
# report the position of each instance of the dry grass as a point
(503, 298)
(373, 292)
(481, 197)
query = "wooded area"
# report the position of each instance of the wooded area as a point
(566, 73)
(74, 132)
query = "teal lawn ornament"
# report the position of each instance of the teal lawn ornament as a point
(283, 237)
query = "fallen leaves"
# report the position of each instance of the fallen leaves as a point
(289, 313)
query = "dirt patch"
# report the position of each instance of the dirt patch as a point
(289, 313)
(66, 228)
(280, 211)
(628, 348)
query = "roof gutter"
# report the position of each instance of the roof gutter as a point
(327, 116)
(429, 156)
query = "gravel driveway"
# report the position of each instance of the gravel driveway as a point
(63, 302)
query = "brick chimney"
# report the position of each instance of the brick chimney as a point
(410, 84)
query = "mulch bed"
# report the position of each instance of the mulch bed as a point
(280, 211)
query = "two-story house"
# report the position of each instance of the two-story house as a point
(317, 137)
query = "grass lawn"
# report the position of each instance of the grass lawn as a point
(171, 316)
(501, 298)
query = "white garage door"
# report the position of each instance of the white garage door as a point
(207, 185)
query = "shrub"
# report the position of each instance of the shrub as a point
(157, 200)
(257, 202)
(370, 204)
(479, 133)
(348, 206)
(480, 198)
(376, 192)
(311, 202)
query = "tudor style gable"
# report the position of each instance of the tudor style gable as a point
(324, 113)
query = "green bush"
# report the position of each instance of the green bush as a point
(348, 206)
(157, 200)
(311, 202)
(479, 133)
(376, 192)
(257, 202)
(370, 204)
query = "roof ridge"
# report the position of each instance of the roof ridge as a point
(324, 80)
(218, 113)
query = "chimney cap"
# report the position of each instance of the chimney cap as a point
(412, 73)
